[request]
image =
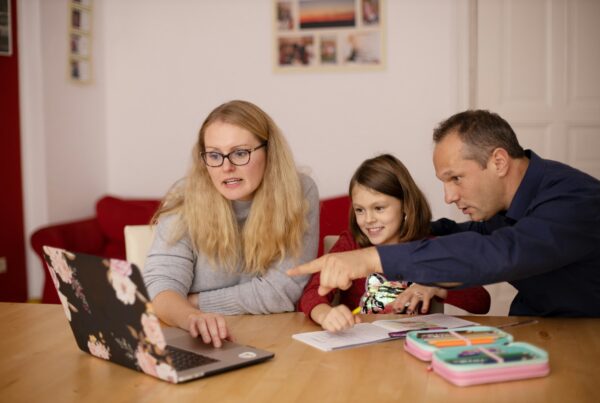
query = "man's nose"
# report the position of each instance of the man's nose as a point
(450, 193)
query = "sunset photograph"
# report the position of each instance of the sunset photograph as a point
(326, 13)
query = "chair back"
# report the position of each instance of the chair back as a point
(138, 239)
(328, 242)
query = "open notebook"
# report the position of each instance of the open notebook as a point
(111, 316)
(378, 331)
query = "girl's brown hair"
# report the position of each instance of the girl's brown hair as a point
(386, 174)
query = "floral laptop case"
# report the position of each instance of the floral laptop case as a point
(111, 316)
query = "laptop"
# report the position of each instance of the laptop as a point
(111, 316)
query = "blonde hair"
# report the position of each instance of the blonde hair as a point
(276, 222)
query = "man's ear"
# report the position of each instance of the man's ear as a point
(500, 160)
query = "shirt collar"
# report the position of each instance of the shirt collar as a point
(528, 188)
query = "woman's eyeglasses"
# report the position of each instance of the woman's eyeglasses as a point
(236, 157)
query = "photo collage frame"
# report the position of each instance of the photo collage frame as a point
(328, 35)
(5, 29)
(80, 41)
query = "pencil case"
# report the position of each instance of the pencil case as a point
(473, 365)
(423, 343)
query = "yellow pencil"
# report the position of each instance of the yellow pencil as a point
(356, 311)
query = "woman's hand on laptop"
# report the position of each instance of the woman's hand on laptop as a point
(176, 310)
(211, 327)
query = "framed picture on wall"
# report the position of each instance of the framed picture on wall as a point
(79, 45)
(80, 70)
(83, 3)
(5, 29)
(328, 35)
(80, 19)
(79, 61)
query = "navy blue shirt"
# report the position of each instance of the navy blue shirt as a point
(547, 245)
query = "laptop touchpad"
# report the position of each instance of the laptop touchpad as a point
(182, 339)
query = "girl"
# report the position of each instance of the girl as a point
(227, 233)
(388, 208)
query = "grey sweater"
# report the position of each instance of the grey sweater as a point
(180, 268)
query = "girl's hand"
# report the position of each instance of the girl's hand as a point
(339, 318)
(211, 327)
(417, 294)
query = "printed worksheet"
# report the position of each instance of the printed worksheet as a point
(378, 331)
(359, 334)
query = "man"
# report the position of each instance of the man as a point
(535, 223)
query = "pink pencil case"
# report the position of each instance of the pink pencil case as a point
(473, 365)
(423, 343)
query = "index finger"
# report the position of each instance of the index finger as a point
(306, 268)
(222, 326)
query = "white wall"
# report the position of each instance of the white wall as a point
(63, 125)
(169, 63)
(161, 66)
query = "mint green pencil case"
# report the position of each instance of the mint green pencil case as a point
(473, 365)
(423, 343)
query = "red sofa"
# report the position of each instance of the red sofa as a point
(100, 235)
(103, 235)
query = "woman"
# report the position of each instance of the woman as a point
(227, 233)
(387, 207)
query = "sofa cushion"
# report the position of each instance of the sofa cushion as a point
(114, 214)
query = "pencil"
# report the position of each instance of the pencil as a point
(458, 342)
(356, 310)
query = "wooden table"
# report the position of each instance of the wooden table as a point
(39, 361)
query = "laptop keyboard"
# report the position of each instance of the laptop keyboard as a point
(183, 359)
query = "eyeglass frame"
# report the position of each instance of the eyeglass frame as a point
(226, 156)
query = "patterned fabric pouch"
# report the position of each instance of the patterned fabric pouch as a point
(380, 292)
